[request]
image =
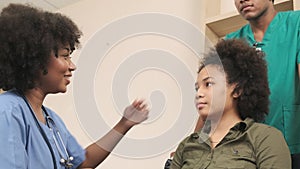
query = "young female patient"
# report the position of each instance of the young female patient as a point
(232, 98)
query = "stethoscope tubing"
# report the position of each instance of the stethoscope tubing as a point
(41, 130)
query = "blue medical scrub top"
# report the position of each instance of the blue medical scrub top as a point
(22, 145)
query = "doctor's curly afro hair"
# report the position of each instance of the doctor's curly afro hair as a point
(28, 35)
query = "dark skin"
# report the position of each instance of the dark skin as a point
(60, 70)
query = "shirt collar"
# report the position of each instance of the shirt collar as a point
(271, 28)
(203, 136)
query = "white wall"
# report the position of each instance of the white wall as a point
(168, 32)
(227, 6)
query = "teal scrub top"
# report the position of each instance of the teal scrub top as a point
(281, 45)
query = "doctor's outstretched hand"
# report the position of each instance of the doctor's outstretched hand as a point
(136, 113)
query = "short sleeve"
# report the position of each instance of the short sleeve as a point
(75, 150)
(13, 149)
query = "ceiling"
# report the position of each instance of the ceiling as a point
(50, 5)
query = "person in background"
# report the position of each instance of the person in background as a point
(35, 60)
(277, 34)
(232, 97)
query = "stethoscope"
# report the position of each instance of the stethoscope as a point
(65, 158)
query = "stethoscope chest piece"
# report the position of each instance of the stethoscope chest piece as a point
(65, 159)
(67, 163)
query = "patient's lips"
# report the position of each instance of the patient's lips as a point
(201, 105)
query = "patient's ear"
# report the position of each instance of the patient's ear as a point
(236, 92)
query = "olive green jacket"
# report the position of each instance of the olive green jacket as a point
(248, 145)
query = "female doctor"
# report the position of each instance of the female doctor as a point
(35, 61)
